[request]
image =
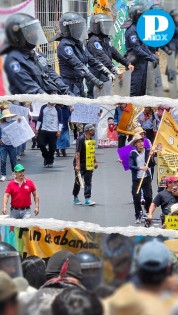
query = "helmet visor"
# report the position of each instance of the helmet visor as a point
(78, 30)
(33, 33)
(107, 28)
(10, 262)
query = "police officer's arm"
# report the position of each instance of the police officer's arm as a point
(68, 54)
(21, 79)
(138, 50)
(95, 63)
(118, 57)
(95, 48)
(62, 87)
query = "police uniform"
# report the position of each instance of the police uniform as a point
(141, 55)
(29, 73)
(101, 48)
(73, 59)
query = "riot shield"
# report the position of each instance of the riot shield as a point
(154, 84)
(171, 75)
(122, 86)
(106, 89)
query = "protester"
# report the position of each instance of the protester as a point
(165, 198)
(34, 271)
(146, 120)
(84, 165)
(9, 304)
(63, 142)
(74, 301)
(138, 160)
(48, 129)
(6, 146)
(20, 190)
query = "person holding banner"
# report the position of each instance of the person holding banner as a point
(165, 198)
(137, 162)
(6, 146)
(84, 163)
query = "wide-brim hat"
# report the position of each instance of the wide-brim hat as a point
(173, 208)
(7, 114)
(136, 138)
(4, 104)
(172, 245)
(139, 130)
(129, 300)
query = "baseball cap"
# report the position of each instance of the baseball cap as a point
(153, 255)
(19, 168)
(89, 127)
(171, 179)
(8, 288)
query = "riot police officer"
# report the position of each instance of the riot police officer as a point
(73, 55)
(100, 46)
(173, 44)
(137, 52)
(92, 269)
(27, 70)
(10, 260)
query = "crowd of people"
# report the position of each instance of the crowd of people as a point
(68, 283)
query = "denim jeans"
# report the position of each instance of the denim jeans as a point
(87, 176)
(20, 214)
(11, 151)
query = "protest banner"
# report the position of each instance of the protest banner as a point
(45, 242)
(171, 222)
(19, 132)
(85, 114)
(36, 106)
(167, 166)
(19, 111)
(90, 154)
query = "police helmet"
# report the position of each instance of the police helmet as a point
(157, 6)
(135, 12)
(101, 24)
(10, 260)
(24, 31)
(92, 269)
(73, 25)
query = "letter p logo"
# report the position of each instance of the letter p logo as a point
(155, 28)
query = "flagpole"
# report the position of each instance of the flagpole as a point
(138, 189)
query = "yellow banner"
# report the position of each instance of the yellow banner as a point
(167, 166)
(166, 141)
(103, 6)
(90, 154)
(171, 222)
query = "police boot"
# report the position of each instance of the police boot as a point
(63, 151)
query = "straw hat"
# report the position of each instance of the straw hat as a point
(173, 208)
(7, 114)
(4, 104)
(139, 130)
(128, 300)
(136, 138)
(172, 245)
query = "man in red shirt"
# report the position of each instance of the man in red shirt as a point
(20, 189)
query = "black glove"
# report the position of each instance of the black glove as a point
(97, 82)
(155, 63)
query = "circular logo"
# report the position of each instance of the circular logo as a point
(155, 28)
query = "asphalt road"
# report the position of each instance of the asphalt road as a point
(111, 189)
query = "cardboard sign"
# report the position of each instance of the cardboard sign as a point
(171, 222)
(90, 154)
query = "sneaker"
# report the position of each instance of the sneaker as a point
(88, 202)
(18, 158)
(50, 165)
(3, 178)
(45, 163)
(76, 201)
(137, 221)
(74, 142)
